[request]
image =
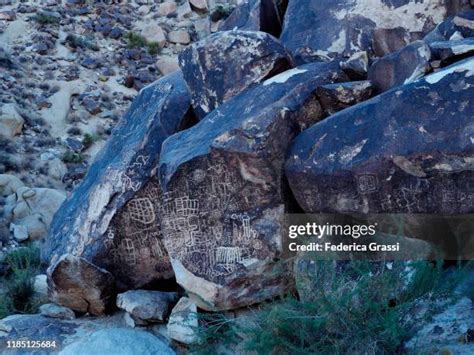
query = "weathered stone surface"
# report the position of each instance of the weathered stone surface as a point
(183, 322)
(52, 310)
(199, 5)
(450, 330)
(448, 51)
(150, 306)
(402, 67)
(119, 341)
(102, 335)
(180, 36)
(154, 33)
(255, 15)
(226, 63)
(79, 285)
(315, 30)
(336, 97)
(111, 218)
(224, 195)
(11, 122)
(393, 153)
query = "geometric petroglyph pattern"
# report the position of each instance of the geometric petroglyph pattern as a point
(206, 223)
(134, 243)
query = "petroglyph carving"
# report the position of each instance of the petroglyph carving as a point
(134, 238)
(203, 223)
(367, 183)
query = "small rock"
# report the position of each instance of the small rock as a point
(74, 144)
(356, 66)
(336, 97)
(150, 306)
(144, 10)
(199, 5)
(166, 8)
(7, 15)
(154, 33)
(11, 123)
(20, 233)
(9, 184)
(179, 37)
(183, 322)
(5, 327)
(167, 65)
(52, 310)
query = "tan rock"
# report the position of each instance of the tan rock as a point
(167, 65)
(9, 184)
(199, 5)
(167, 8)
(154, 33)
(11, 123)
(179, 37)
(75, 283)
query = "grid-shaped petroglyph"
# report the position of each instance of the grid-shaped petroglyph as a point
(134, 239)
(206, 224)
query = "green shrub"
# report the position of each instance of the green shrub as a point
(71, 157)
(90, 139)
(18, 294)
(154, 48)
(135, 40)
(45, 19)
(359, 317)
(138, 41)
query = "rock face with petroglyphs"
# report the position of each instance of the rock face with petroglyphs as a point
(409, 150)
(226, 63)
(111, 219)
(224, 191)
(315, 30)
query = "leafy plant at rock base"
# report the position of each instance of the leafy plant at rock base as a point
(138, 41)
(90, 139)
(361, 318)
(18, 293)
(71, 157)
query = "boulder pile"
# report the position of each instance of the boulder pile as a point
(350, 107)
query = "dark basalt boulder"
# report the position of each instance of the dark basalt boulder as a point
(224, 192)
(462, 24)
(401, 67)
(448, 51)
(111, 219)
(255, 15)
(408, 150)
(320, 30)
(226, 63)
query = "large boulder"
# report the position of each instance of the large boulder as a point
(224, 192)
(227, 63)
(111, 219)
(408, 150)
(81, 286)
(318, 30)
(255, 15)
(462, 24)
(103, 335)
